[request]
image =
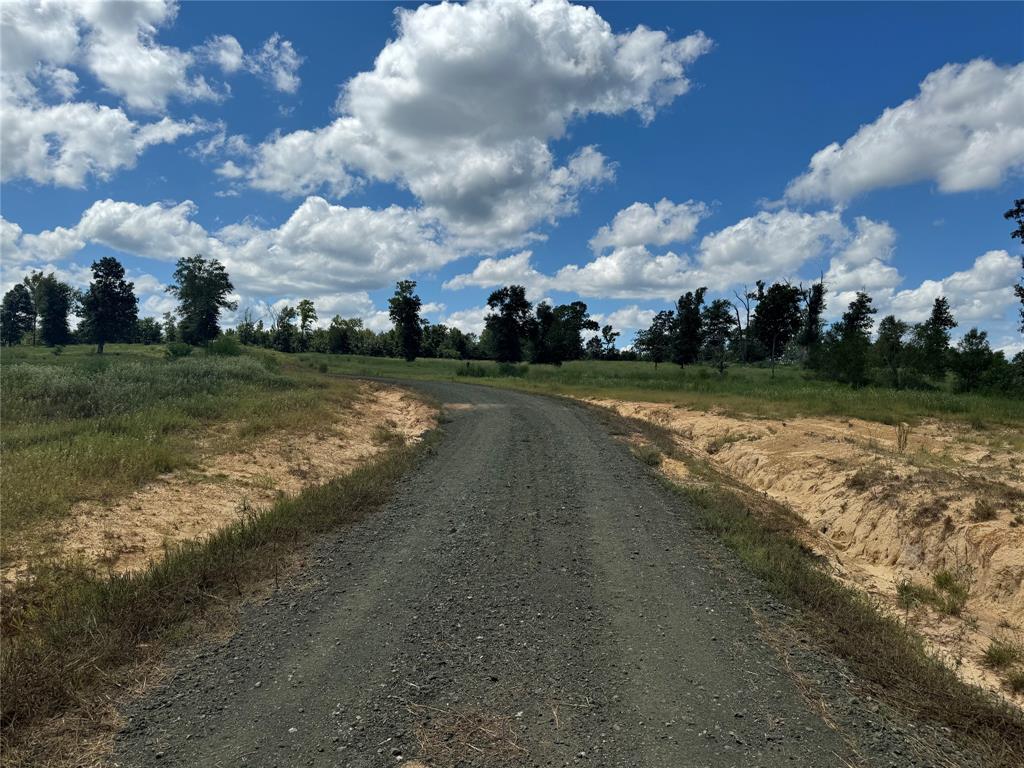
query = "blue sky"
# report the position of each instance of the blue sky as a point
(621, 152)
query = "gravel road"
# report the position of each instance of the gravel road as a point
(531, 596)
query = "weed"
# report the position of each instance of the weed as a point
(648, 454)
(177, 349)
(902, 436)
(868, 478)
(1015, 681)
(1001, 654)
(983, 511)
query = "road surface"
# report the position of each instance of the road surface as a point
(531, 596)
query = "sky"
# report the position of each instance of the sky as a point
(618, 153)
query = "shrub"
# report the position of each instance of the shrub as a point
(511, 369)
(1000, 654)
(1015, 681)
(227, 346)
(177, 349)
(983, 510)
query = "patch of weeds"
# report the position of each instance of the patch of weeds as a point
(1015, 681)
(868, 478)
(720, 442)
(1001, 654)
(929, 511)
(952, 588)
(648, 454)
(387, 436)
(984, 510)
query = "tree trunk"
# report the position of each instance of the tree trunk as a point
(773, 357)
(99, 347)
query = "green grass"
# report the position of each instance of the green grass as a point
(1001, 654)
(747, 390)
(79, 426)
(947, 593)
(68, 632)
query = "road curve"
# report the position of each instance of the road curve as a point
(530, 596)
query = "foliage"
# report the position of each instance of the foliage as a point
(54, 301)
(655, 343)
(1016, 215)
(176, 350)
(508, 321)
(848, 342)
(109, 309)
(404, 309)
(202, 288)
(890, 349)
(688, 329)
(718, 323)
(224, 346)
(17, 315)
(931, 339)
(777, 318)
(148, 331)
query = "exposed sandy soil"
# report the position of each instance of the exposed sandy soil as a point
(189, 504)
(880, 516)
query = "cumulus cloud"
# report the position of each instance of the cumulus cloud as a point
(659, 224)
(460, 107)
(276, 62)
(225, 51)
(776, 243)
(320, 248)
(964, 130)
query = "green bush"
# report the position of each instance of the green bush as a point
(177, 349)
(226, 346)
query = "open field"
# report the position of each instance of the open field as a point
(743, 390)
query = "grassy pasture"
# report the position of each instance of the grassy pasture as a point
(80, 426)
(743, 390)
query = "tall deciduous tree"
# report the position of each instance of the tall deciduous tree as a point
(688, 337)
(33, 283)
(109, 308)
(718, 323)
(655, 342)
(508, 322)
(284, 336)
(17, 315)
(307, 318)
(202, 288)
(55, 302)
(812, 325)
(404, 310)
(777, 318)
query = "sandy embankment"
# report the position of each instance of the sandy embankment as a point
(189, 504)
(880, 516)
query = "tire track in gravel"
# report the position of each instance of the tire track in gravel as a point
(530, 597)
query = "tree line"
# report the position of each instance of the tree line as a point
(769, 323)
(782, 321)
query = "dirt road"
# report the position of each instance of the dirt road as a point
(531, 596)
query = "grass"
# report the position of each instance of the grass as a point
(947, 594)
(747, 390)
(80, 426)
(1001, 654)
(886, 655)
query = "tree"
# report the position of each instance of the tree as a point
(508, 323)
(109, 309)
(307, 317)
(284, 336)
(849, 342)
(342, 334)
(170, 323)
(931, 339)
(17, 315)
(777, 318)
(973, 360)
(655, 342)
(718, 323)
(33, 283)
(1016, 215)
(55, 302)
(404, 309)
(608, 337)
(889, 347)
(746, 300)
(812, 324)
(687, 338)
(147, 331)
(202, 288)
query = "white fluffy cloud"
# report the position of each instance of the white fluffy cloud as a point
(459, 108)
(659, 224)
(769, 244)
(67, 143)
(964, 130)
(50, 139)
(320, 248)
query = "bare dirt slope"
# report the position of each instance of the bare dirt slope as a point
(952, 500)
(189, 504)
(530, 597)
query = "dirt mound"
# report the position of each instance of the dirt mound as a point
(189, 504)
(952, 501)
